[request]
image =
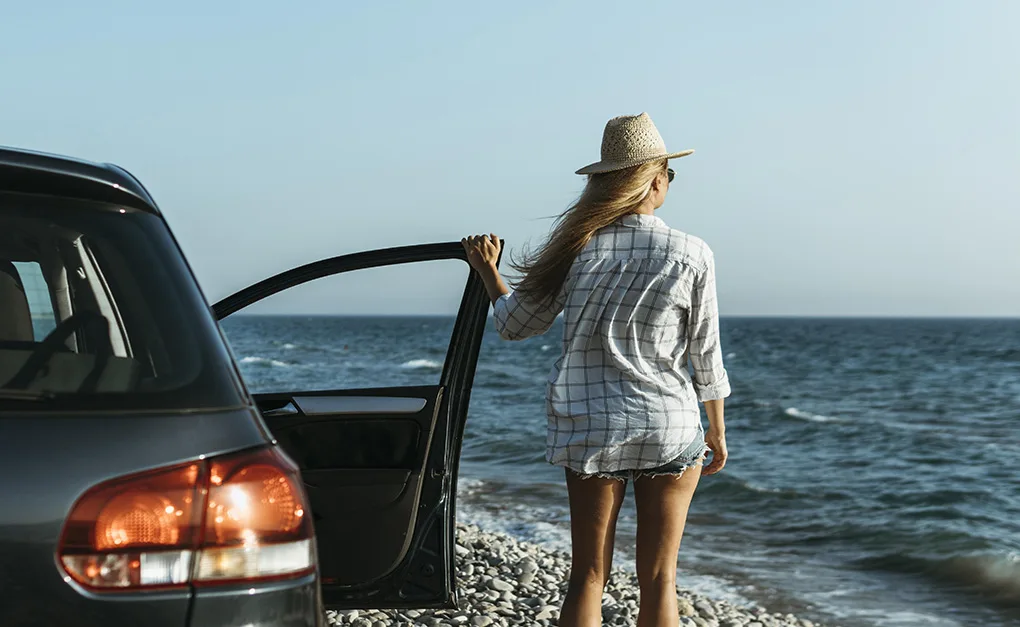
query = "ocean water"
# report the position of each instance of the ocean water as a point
(874, 477)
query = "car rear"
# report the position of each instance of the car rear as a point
(140, 485)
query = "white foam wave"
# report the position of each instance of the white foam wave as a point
(530, 524)
(469, 487)
(289, 346)
(264, 361)
(546, 347)
(793, 412)
(421, 364)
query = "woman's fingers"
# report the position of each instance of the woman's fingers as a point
(718, 461)
(485, 247)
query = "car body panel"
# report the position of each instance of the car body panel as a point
(57, 457)
(280, 604)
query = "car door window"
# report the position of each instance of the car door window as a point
(44, 320)
(350, 330)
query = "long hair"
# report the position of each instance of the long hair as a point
(606, 198)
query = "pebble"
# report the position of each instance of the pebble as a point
(685, 608)
(507, 583)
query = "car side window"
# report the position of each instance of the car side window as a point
(353, 330)
(37, 291)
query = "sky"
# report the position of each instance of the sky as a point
(854, 157)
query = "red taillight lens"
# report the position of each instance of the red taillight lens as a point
(239, 517)
(256, 521)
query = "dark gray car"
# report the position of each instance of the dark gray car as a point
(142, 482)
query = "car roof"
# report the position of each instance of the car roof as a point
(30, 172)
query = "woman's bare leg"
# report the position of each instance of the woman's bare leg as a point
(594, 505)
(662, 504)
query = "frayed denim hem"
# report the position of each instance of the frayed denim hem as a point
(675, 468)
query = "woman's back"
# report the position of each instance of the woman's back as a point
(635, 305)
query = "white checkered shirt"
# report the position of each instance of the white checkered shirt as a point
(639, 305)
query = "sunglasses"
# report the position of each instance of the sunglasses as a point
(670, 174)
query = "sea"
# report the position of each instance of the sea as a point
(874, 471)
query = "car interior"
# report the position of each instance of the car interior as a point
(72, 342)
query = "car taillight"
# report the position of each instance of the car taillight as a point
(240, 517)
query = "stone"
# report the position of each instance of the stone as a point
(705, 609)
(481, 621)
(685, 607)
(502, 586)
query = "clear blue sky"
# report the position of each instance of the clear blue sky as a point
(853, 157)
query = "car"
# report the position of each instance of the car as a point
(145, 484)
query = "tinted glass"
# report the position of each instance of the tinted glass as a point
(98, 310)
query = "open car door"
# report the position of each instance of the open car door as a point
(380, 463)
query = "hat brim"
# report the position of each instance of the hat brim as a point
(601, 167)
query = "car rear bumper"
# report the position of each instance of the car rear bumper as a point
(295, 603)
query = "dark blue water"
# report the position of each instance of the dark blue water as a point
(875, 464)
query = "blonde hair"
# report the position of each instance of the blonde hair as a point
(606, 198)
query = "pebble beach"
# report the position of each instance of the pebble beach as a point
(503, 581)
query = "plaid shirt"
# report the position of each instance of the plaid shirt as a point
(639, 305)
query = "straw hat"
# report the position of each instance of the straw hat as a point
(630, 140)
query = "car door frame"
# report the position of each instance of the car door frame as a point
(456, 381)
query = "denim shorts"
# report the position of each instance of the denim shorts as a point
(692, 455)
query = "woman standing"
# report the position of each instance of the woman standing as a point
(639, 305)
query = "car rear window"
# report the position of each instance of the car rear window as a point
(98, 310)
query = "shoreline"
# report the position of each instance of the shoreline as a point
(505, 581)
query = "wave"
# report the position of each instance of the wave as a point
(265, 362)
(421, 364)
(746, 493)
(996, 575)
(793, 412)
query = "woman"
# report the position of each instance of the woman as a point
(639, 305)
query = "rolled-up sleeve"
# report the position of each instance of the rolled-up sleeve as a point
(710, 379)
(518, 318)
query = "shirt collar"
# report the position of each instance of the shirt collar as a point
(641, 219)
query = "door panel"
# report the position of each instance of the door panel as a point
(363, 472)
(380, 464)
